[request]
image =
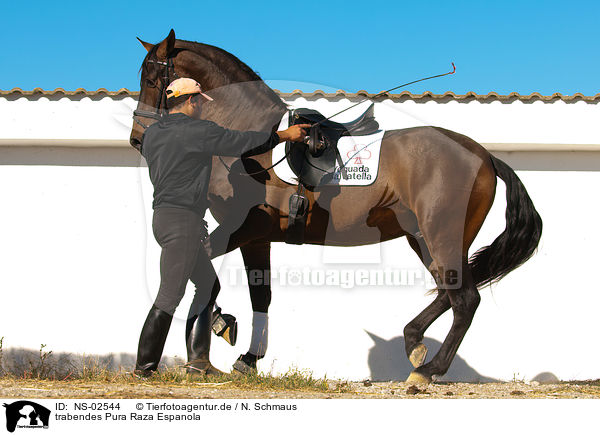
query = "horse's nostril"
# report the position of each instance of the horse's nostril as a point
(135, 142)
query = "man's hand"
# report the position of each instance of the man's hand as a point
(296, 133)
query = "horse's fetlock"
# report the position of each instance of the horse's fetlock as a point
(412, 334)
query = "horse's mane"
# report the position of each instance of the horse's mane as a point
(222, 58)
(247, 103)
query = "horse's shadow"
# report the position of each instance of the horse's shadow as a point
(388, 361)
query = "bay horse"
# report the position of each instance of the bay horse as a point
(435, 187)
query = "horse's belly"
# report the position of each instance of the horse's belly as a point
(356, 224)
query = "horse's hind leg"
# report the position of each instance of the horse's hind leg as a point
(464, 301)
(415, 330)
(447, 239)
(450, 213)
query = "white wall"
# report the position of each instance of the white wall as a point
(80, 266)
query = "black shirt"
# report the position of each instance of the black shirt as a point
(179, 150)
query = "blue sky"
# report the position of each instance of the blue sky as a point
(521, 46)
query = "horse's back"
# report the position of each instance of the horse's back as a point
(425, 173)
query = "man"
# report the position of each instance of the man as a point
(179, 150)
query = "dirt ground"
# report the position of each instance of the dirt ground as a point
(34, 389)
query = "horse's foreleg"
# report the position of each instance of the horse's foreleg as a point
(228, 236)
(232, 233)
(257, 258)
(221, 241)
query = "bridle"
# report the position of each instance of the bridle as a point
(161, 104)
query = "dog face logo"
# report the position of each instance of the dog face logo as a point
(26, 414)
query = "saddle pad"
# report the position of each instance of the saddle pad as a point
(359, 153)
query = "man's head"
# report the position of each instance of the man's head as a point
(185, 95)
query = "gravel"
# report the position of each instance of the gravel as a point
(338, 390)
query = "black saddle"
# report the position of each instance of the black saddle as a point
(314, 163)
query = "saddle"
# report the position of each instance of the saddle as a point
(314, 162)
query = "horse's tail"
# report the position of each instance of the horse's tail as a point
(520, 238)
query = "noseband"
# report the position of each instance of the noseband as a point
(161, 104)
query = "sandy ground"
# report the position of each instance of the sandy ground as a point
(33, 389)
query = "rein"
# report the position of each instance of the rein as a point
(257, 172)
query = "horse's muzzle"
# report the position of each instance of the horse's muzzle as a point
(135, 142)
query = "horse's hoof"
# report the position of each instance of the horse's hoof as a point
(230, 334)
(225, 325)
(416, 378)
(244, 366)
(417, 355)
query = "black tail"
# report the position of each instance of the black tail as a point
(520, 238)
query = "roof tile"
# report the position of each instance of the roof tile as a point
(427, 95)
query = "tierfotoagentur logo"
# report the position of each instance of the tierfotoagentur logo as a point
(26, 415)
(346, 278)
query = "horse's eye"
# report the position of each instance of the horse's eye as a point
(150, 83)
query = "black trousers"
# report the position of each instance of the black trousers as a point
(180, 232)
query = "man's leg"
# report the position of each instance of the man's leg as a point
(179, 233)
(200, 316)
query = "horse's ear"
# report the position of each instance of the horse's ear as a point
(146, 45)
(166, 46)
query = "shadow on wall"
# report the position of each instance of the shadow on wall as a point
(45, 364)
(388, 362)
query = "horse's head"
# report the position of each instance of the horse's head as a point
(155, 73)
(242, 100)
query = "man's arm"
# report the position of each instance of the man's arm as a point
(223, 142)
(295, 133)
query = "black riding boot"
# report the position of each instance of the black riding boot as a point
(152, 341)
(198, 333)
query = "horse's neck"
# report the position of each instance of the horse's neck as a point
(245, 103)
(244, 106)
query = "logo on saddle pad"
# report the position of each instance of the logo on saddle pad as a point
(26, 414)
(357, 155)
(360, 155)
